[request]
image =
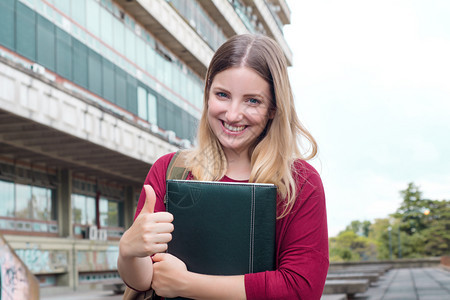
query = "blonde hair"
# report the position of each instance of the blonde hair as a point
(277, 148)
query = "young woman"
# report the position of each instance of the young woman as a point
(248, 132)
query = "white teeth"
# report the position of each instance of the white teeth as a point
(233, 128)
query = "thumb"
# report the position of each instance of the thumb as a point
(157, 257)
(150, 199)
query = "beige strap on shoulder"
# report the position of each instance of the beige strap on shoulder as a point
(177, 167)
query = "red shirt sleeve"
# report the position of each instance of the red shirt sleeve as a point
(156, 177)
(302, 246)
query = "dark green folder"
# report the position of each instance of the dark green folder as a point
(223, 228)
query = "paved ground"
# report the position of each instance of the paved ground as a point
(414, 284)
(396, 284)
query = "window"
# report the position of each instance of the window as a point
(7, 24)
(159, 63)
(80, 64)
(109, 213)
(161, 111)
(131, 97)
(168, 66)
(140, 49)
(95, 72)
(118, 35)
(177, 82)
(63, 54)
(7, 196)
(42, 203)
(130, 51)
(83, 210)
(142, 103)
(152, 110)
(63, 6)
(150, 60)
(24, 201)
(198, 100)
(106, 26)
(26, 31)
(147, 109)
(170, 117)
(121, 88)
(190, 93)
(108, 80)
(46, 43)
(93, 17)
(79, 12)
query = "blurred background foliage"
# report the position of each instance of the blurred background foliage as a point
(419, 228)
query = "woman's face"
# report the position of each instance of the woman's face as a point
(238, 108)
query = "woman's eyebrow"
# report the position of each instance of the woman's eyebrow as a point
(258, 95)
(218, 87)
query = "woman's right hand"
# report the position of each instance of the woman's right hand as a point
(150, 231)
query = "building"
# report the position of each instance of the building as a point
(92, 92)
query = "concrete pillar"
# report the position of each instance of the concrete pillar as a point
(65, 203)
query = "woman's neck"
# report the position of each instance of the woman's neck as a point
(239, 167)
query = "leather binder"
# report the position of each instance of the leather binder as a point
(222, 228)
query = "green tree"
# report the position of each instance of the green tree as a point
(419, 227)
(379, 233)
(348, 246)
(385, 233)
(424, 224)
(360, 228)
(437, 233)
(411, 211)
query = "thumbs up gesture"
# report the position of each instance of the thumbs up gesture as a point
(150, 231)
(150, 199)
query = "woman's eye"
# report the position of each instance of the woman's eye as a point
(221, 94)
(254, 101)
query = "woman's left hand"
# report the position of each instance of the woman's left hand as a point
(169, 275)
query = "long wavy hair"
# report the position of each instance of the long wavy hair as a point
(274, 152)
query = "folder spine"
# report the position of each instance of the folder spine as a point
(252, 230)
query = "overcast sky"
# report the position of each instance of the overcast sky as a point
(371, 81)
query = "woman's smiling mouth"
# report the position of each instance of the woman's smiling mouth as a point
(233, 128)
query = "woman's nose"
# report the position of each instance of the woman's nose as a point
(234, 112)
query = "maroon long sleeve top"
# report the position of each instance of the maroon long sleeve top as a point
(301, 237)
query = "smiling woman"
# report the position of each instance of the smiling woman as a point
(247, 133)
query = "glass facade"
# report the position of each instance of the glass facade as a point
(206, 28)
(200, 21)
(84, 214)
(101, 49)
(86, 204)
(25, 207)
